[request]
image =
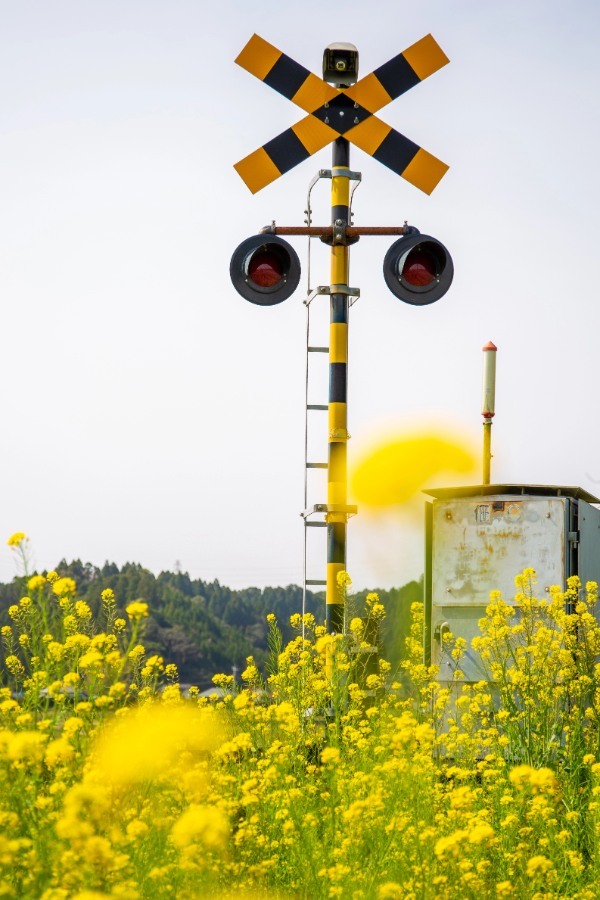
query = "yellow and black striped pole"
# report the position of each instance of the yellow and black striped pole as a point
(338, 386)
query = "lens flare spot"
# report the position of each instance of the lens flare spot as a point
(145, 742)
(398, 468)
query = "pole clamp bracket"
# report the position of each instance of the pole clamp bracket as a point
(339, 236)
(330, 509)
(340, 172)
(332, 289)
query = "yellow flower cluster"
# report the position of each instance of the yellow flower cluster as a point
(137, 610)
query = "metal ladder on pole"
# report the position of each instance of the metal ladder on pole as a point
(317, 509)
(309, 465)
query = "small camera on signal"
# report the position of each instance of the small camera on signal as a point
(340, 64)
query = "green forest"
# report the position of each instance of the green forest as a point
(204, 627)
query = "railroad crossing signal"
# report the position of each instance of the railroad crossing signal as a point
(265, 269)
(342, 112)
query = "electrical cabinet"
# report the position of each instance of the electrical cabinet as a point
(478, 538)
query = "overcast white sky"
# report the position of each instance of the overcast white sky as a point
(151, 414)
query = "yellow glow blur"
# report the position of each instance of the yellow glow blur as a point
(146, 742)
(398, 468)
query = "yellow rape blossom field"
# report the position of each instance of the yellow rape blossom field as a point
(329, 776)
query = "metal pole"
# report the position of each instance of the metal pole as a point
(487, 450)
(488, 405)
(338, 383)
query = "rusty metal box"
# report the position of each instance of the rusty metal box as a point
(480, 537)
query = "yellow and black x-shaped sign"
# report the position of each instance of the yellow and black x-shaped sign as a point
(347, 112)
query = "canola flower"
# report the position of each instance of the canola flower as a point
(326, 777)
(137, 610)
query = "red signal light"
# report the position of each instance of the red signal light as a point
(419, 268)
(265, 269)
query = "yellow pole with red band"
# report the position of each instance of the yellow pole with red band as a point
(488, 406)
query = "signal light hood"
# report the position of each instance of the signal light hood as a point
(418, 269)
(265, 269)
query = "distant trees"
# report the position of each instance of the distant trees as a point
(205, 627)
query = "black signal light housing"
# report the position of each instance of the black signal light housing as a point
(418, 269)
(265, 269)
(340, 64)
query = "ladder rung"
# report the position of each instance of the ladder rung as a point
(315, 524)
(318, 349)
(316, 465)
(317, 406)
(314, 581)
